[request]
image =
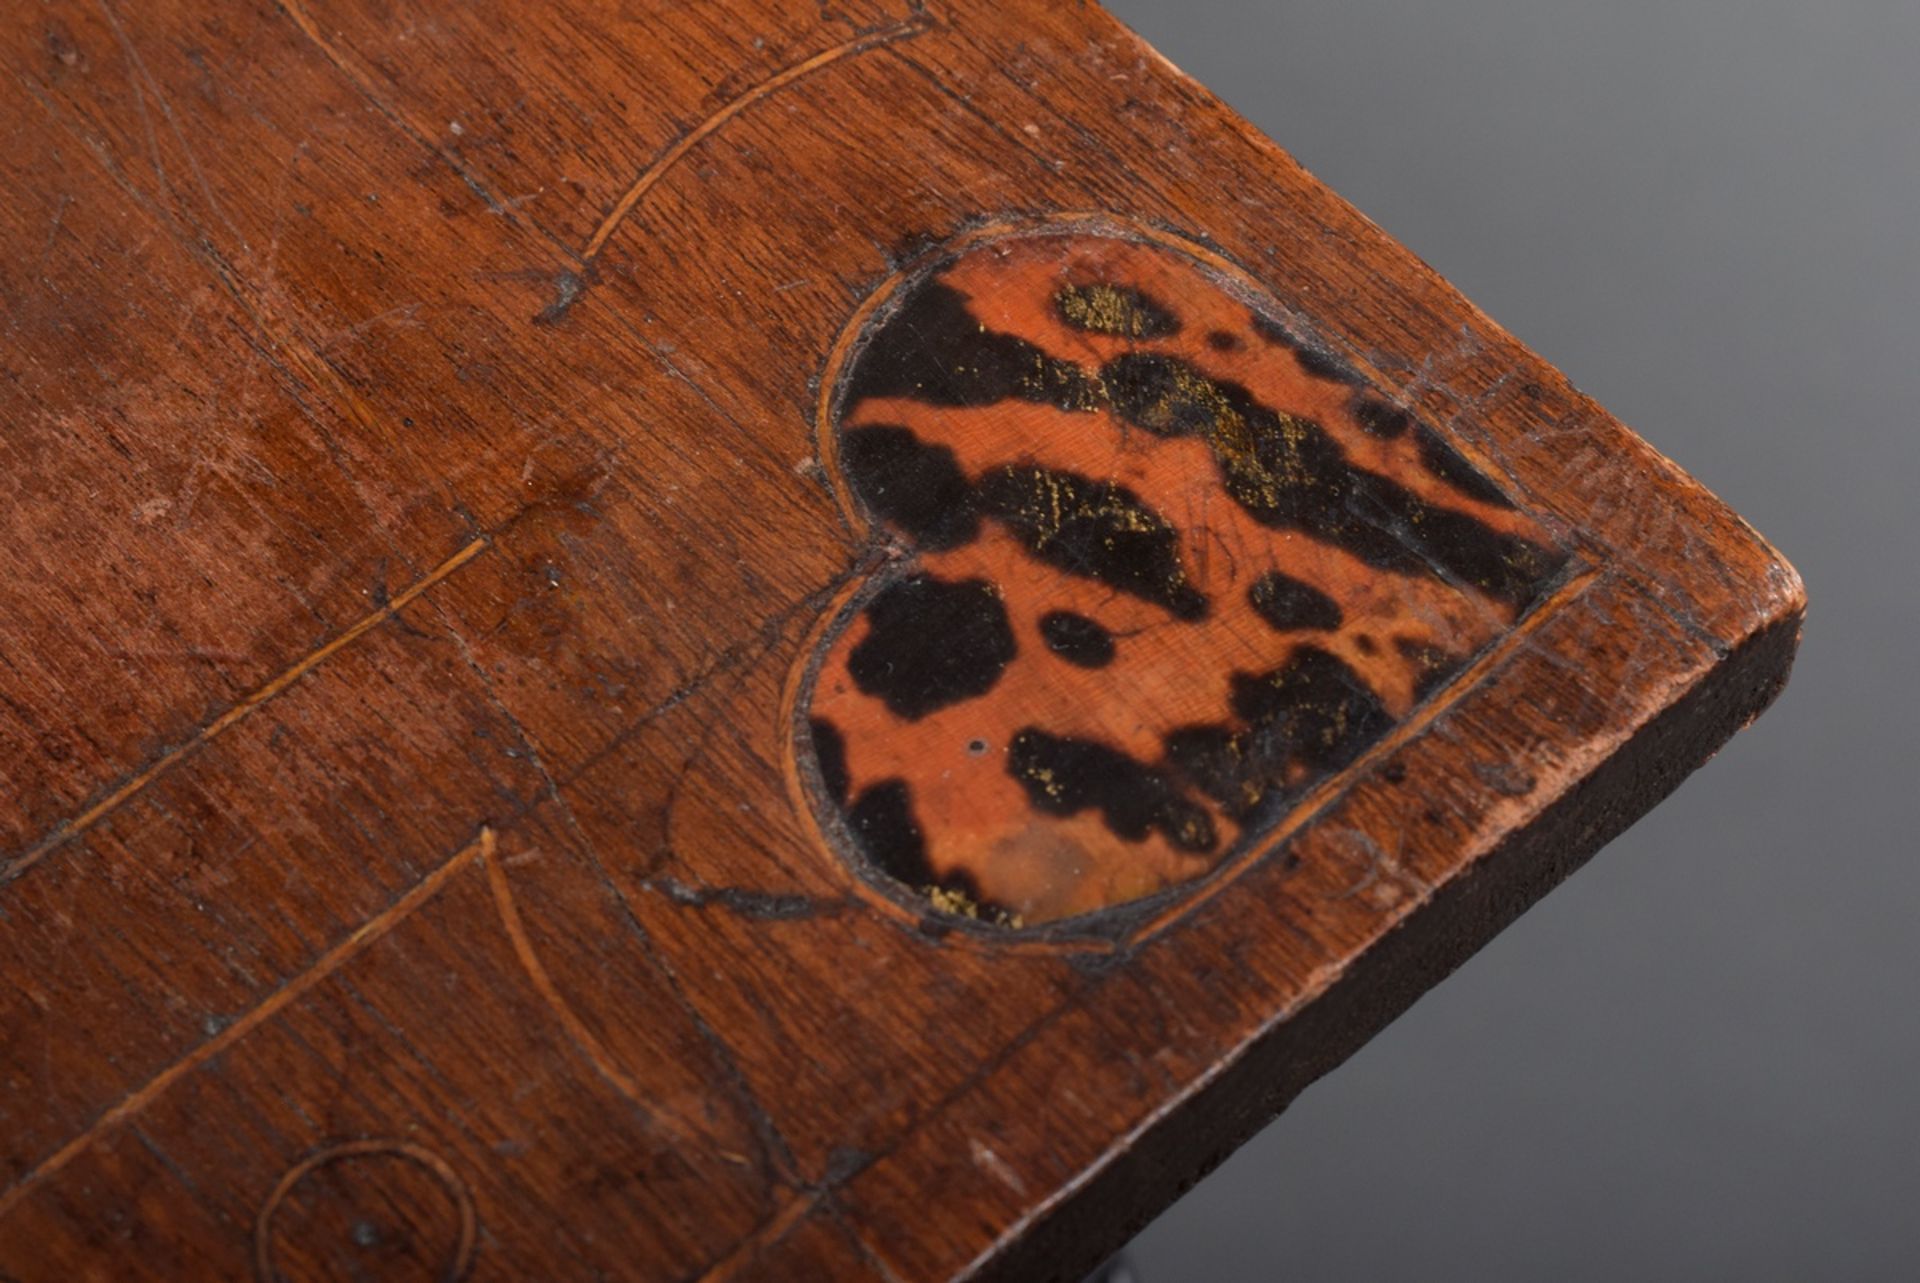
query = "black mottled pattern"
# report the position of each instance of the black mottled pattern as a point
(1272, 331)
(1323, 364)
(883, 826)
(1286, 603)
(1315, 360)
(830, 751)
(888, 834)
(1388, 422)
(1313, 710)
(1451, 467)
(1093, 529)
(931, 643)
(1287, 472)
(1065, 776)
(1318, 705)
(917, 488)
(1432, 666)
(1077, 639)
(934, 349)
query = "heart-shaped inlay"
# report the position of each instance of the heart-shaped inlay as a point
(1161, 566)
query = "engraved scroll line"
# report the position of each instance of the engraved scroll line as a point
(73, 828)
(576, 1028)
(904, 30)
(366, 82)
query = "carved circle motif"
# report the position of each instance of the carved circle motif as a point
(459, 1226)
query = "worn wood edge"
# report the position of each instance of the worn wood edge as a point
(1181, 1144)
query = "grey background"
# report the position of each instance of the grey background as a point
(1700, 1058)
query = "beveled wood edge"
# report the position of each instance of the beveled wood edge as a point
(1685, 717)
(1139, 1178)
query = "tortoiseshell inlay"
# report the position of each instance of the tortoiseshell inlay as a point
(1163, 565)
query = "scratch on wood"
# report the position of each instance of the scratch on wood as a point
(481, 848)
(141, 73)
(305, 366)
(761, 906)
(53, 237)
(70, 829)
(296, 11)
(904, 30)
(401, 315)
(1380, 870)
(567, 289)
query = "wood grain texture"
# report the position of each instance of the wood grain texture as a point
(430, 519)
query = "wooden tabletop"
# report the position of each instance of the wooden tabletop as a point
(753, 639)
